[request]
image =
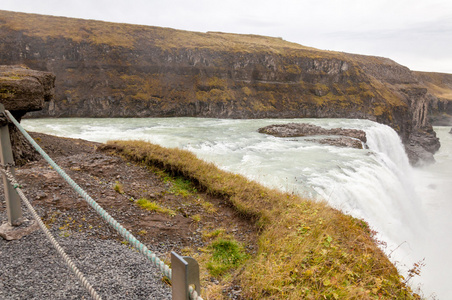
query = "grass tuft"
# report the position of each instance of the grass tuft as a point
(226, 254)
(118, 187)
(155, 207)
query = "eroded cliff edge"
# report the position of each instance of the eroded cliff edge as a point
(23, 90)
(119, 70)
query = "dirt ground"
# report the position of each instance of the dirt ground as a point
(98, 172)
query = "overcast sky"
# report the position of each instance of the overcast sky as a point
(414, 33)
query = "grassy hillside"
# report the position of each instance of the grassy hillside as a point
(307, 250)
(128, 35)
(439, 84)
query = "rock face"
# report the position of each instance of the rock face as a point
(440, 106)
(119, 70)
(348, 137)
(23, 90)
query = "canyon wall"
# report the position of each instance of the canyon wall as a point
(440, 86)
(118, 70)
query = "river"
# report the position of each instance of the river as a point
(409, 207)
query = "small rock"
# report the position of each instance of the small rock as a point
(40, 195)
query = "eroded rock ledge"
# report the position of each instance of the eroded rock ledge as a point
(352, 138)
(23, 90)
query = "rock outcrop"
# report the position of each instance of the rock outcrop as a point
(352, 138)
(304, 129)
(346, 142)
(440, 86)
(120, 70)
(23, 90)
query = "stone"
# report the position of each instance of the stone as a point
(10, 233)
(303, 129)
(23, 90)
(343, 141)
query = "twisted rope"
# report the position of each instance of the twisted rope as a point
(193, 294)
(55, 244)
(106, 216)
(165, 269)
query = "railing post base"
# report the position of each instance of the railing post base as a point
(9, 232)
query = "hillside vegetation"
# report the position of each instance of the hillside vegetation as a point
(307, 250)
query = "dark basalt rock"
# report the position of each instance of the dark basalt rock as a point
(346, 142)
(23, 90)
(352, 138)
(303, 129)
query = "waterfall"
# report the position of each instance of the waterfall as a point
(389, 150)
(378, 188)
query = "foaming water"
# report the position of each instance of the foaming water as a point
(375, 184)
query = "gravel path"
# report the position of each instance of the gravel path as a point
(30, 268)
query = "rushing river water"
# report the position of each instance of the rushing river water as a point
(409, 207)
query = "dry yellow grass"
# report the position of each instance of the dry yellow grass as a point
(439, 84)
(307, 250)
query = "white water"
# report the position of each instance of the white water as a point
(408, 207)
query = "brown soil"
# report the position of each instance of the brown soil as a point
(97, 172)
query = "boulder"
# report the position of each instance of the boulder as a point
(23, 90)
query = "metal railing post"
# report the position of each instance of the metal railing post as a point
(12, 199)
(185, 273)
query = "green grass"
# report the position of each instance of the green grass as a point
(182, 187)
(118, 187)
(225, 255)
(154, 207)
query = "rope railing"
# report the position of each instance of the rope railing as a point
(165, 269)
(67, 260)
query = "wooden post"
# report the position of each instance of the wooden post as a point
(12, 199)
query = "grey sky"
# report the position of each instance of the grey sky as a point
(415, 33)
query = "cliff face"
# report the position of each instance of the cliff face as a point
(440, 86)
(118, 70)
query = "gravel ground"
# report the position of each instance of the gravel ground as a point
(30, 268)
